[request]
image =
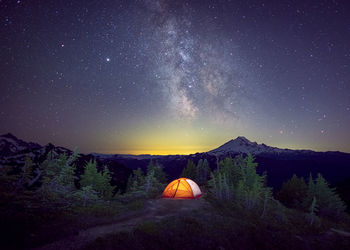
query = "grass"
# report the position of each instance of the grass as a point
(213, 225)
(227, 227)
(22, 228)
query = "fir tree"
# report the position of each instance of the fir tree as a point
(107, 189)
(51, 167)
(135, 181)
(90, 176)
(213, 185)
(66, 172)
(16, 180)
(233, 169)
(328, 201)
(100, 182)
(86, 195)
(293, 192)
(190, 171)
(24, 177)
(159, 174)
(237, 181)
(203, 172)
(58, 181)
(250, 189)
(151, 186)
(155, 180)
(27, 171)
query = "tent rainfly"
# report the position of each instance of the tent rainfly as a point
(182, 188)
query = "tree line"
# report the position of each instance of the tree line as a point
(234, 181)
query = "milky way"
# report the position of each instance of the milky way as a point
(199, 78)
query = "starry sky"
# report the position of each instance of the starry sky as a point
(175, 77)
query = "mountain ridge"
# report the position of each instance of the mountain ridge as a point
(11, 145)
(280, 164)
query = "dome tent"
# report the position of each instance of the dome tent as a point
(182, 188)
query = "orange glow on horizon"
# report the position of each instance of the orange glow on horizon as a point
(179, 151)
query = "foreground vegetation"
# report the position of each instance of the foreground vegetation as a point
(244, 215)
(41, 204)
(223, 228)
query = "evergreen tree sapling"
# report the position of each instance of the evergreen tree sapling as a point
(328, 201)
(149, 185)
(203, 172)
(237, 181)
(159, 174)
(313, 209)
(100, 182)
(293, 192)
(135, 181)
(58, 179)
(189, 171)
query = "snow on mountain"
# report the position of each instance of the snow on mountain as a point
(14, 151)
(243, 145)
(11, 145)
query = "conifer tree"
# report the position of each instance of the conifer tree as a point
(213, 185)
(86, 195)
(293, 192)
(155, 180)
(203, 172)
(152, 187)
(313, 209)
(24, 177)
(13, 181)
(58, 179)
(190, 171)
(129, 183)
(251, 190)
(136, 180)
(51, 167)
(159, 174)
(90, 176)
(65, 175)
(27, 171)
(238, 181)
(107, 189)
(328, 201)
(100, 182)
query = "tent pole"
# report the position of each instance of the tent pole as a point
(178, 183)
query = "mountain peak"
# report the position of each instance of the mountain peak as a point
(243, 145)
(241, 139)
(10, 136)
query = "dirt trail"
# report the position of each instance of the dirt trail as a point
(154, 209)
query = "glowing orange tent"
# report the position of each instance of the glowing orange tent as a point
(182, 188)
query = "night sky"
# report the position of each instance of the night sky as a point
(167, 77)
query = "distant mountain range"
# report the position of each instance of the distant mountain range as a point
(280, 164)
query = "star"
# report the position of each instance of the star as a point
(108, 59)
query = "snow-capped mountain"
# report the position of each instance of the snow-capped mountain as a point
(11, 145)
(13, 151)
(243, 145)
